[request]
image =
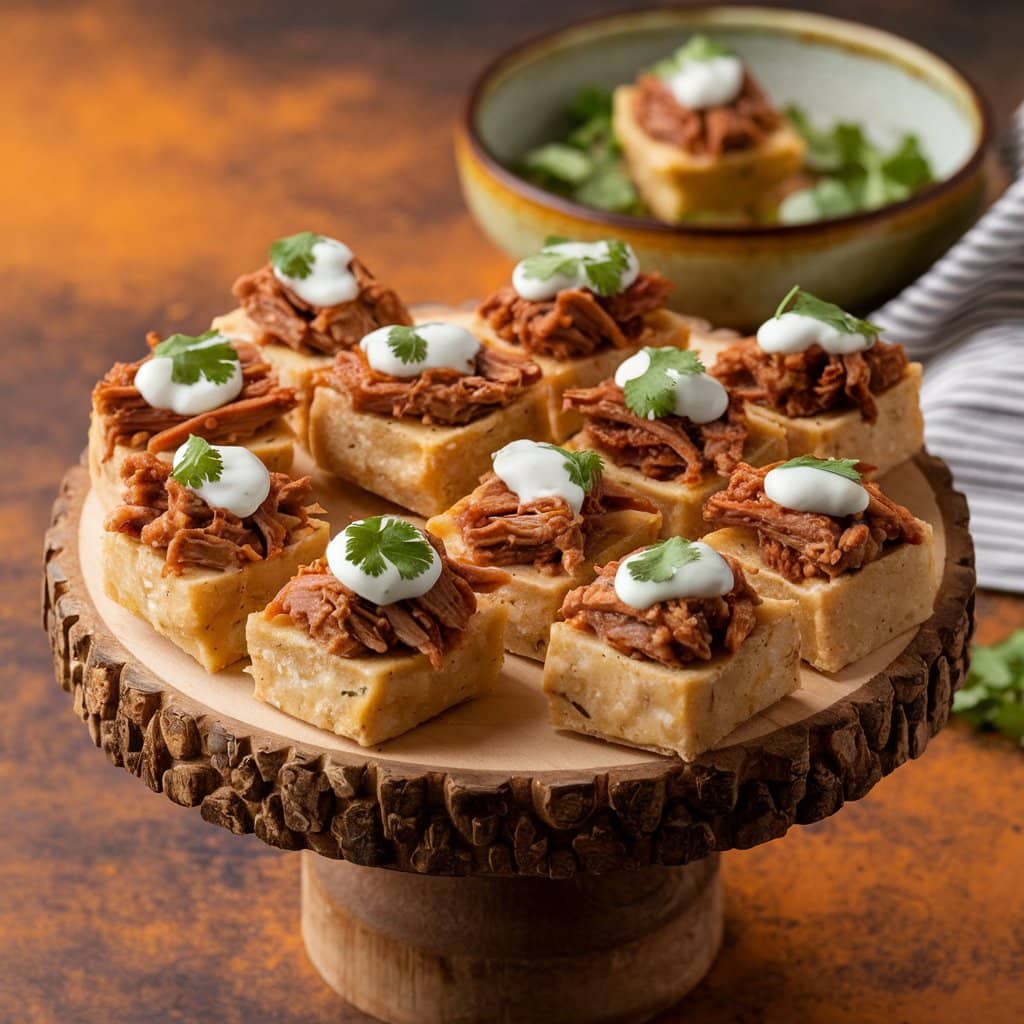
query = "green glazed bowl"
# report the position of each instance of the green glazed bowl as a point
(735, 275)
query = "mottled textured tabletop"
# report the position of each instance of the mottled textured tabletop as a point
(147, 154)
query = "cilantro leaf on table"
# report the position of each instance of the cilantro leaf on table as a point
(840, 467)
(798, 301)
(293, 255)
(653, 393)
(696, 48)
(993, 695)
(200, 463)
(582, 466)
(372, 543)
(407, 344)
(192, 357)
(659, 563)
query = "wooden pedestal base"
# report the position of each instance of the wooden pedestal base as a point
(414, 949)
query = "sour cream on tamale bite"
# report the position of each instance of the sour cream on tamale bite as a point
(243, 482)
(543, 275)
(191, 393)
(698, 396)
(690, 569)
(330, 280)
(532, 470)
(407, 351)
(810, 489)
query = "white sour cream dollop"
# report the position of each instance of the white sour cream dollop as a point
(531, 470)
(153, 379)
(535, 290)
(699, 397)
(708, 575)
(330, 279)
(795, 332)
(807, 489)
(389, 586)
(699, 84)
(448, 346)
(243, 485)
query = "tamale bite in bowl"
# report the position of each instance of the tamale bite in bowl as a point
(735, 274)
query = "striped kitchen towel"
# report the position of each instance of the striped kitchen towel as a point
(964, 319)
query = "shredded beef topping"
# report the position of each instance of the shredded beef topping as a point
(806, 545)
(742, 124)
(667, 448)
(129, 420)
(811, 382)
(434, 396)
(284, 317)
(577, 322)
(159, 512)
(672, 632)
(498, 529)
(352, 627)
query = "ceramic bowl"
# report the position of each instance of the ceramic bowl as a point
(735, 275)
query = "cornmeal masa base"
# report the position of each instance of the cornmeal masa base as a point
(203, 611)
(681, 504)
(533, 598)
(674, 183)
(274, 446)
(662, 328)
(489, 787)
(845, 618)
(374, 698)
(893, 438)
(595, 689)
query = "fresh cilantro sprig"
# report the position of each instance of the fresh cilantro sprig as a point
(372, 543)
(840, 467)
(583, 467)
(993, 695)
(696, 48)
(200, 463)
(856, 174)
(806, 304)
(407, 344)
(659, 563)
(653, 393)
(293, 255)
(585, 163)
(192, 358)
(602, 273)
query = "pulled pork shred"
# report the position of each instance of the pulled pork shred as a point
(498, 529)
(667, 448)
(739, 125)
(440, 395)
(672, 632)
(128, 418)
(577, 322)
(348, 625)
(159, 512)
(284, 317)
(807, 545)
(811, 382)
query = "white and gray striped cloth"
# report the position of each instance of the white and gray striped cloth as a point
(964, 319)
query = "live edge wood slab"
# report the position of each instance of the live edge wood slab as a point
(409, 948)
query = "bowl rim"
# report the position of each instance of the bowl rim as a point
(605, 218)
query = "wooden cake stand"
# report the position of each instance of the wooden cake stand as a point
(533, 875)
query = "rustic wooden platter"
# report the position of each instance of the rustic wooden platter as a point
(490, 789)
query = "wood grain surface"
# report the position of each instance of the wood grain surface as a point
(148, 153)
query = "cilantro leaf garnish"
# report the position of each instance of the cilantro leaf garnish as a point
(293, 255)
(840, 467)
(653, 393)
(200, 463)
(696, 48)
(191, 357)
(406, 344)
(372, 543)
(993, 695)
(806, 304)
(544, 265)
(583, 466)
(603, 273)
(659, 563)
